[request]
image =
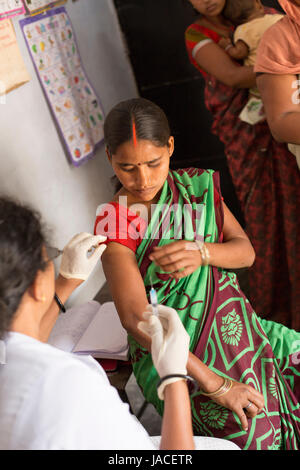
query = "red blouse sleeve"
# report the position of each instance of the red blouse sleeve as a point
(196, 36)
(119, 225)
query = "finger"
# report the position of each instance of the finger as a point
(173, 247)
(243, 418)
(99, 238)
(183, 273)
(151, 326)
(144, 328)
(257, 399)
(169, 315)
(169, 258)
(179, 262)
(251, 411)
(148, 312)
(157, 333)
(99, 250)
(92, 241)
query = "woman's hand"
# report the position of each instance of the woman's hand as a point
(179, 258)
(224, 42)
(81, 255)
(244, 400)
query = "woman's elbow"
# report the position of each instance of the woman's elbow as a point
(251, 257)
(127, 324)
(130, 323)
(277, 132)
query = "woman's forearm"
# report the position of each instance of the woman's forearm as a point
(233, 254)
(177, 430)
(63, 288)
(243, 77)
(216, 62)
(208, 380)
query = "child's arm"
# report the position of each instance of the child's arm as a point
(238, 51)
(280, 95)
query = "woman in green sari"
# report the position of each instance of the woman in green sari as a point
(171, 229)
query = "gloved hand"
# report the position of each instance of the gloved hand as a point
(76, 262)
(169, 343)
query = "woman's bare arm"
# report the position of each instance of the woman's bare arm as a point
(236, 251)
(215, 61)
(129, 294)
(177, 430)
(281, 101)
(179, 258)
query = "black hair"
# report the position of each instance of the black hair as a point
(238, 11)
(136, 116)
(21, 256)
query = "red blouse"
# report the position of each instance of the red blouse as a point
(120, 225)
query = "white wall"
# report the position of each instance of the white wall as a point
(33, 165)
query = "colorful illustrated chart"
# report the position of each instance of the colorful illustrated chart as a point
(34, 6)
(9, 8)
(76, 108)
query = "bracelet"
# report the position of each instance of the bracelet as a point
(205, 255)
(59, 303)
(221, 391)
(180, 376)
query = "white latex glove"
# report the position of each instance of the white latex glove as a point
(169, 343)
(81, 255)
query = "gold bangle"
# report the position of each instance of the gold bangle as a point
(205, 255)
(221, 391)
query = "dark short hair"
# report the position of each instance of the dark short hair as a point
(21, 256)
(149, 120)
(238, 11)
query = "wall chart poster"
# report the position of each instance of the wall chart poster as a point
(76, 108)
(9, 8)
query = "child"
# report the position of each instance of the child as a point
(251, 22)
(278, 65)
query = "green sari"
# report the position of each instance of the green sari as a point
(225, 332)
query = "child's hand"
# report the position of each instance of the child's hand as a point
(224, 42)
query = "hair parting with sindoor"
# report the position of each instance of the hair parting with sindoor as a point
(135, 119)
(21, 256)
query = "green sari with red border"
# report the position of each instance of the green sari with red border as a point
(225, 332)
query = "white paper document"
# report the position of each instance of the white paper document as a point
(91, 329)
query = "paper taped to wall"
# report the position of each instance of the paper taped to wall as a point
(13, 72)
(73, 101)
(10, 8)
